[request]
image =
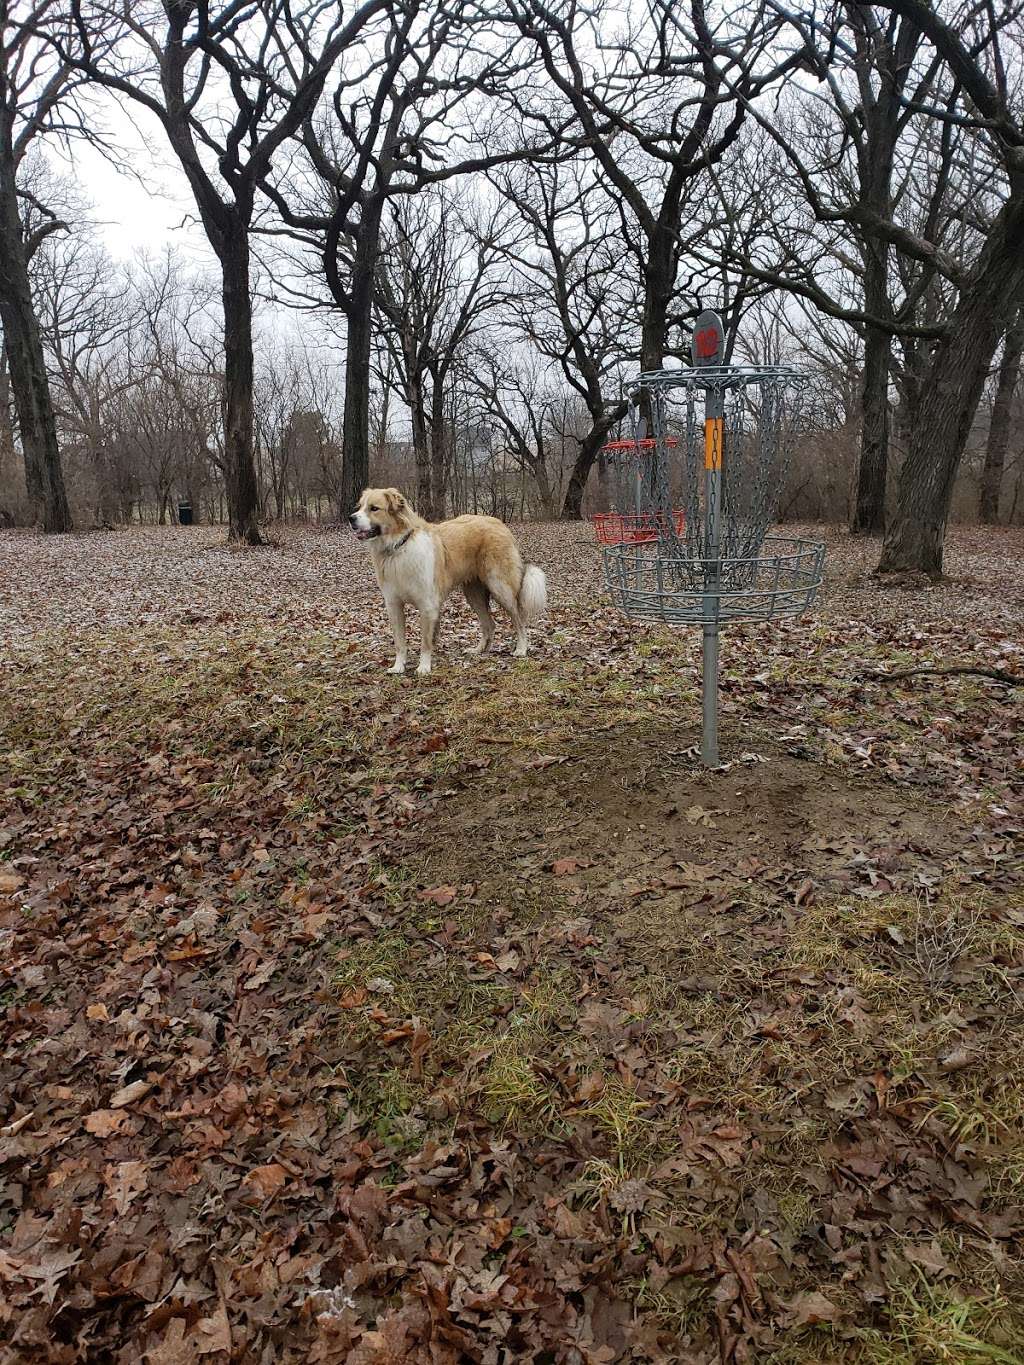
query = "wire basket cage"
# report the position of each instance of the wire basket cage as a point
(630, 465)
(655, 584)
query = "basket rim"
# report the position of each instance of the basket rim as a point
(807, 549)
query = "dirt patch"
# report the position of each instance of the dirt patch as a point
(631, 809)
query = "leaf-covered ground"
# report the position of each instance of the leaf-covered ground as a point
(359, 1019)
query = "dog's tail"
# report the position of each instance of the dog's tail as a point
(533, 594)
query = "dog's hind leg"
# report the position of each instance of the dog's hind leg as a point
(505, 596)
(478, 598)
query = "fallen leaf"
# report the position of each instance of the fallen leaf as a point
(173, 1348)
(266, 1180)
(213, 1334)
(104, 1122)
(958, 1059)
(811, 1307)
(439, 895)
(126, 1181)
(130, 1094)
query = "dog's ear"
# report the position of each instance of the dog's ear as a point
(395, 503)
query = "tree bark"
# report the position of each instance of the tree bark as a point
(44, 474)
(239, 464)
(949, 398)
(590, 448)
(999, 426)
(869, 505)
(8, 447)
(659, 278)
(437, 448)
(421, 449)
(355, 437)
(539, 470)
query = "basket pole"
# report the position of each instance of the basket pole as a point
(639, 433)
(714, 424)
(708, 347)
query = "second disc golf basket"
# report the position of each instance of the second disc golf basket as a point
(721, 565)
(630, 463)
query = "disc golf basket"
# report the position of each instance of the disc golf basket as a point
(629, 462)
(721, 564)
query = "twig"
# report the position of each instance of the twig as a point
(997, 674)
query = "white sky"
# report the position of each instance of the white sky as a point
(140, 202)
(143, 204)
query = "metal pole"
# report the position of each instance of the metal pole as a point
(714, 434)
(639, 434)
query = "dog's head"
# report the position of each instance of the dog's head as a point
(381, 512)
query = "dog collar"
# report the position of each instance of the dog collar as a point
(393, 549)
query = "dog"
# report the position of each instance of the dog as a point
(419, 564)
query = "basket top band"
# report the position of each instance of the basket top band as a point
(717, 377)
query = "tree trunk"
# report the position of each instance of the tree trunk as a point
(44, 475)
(355, 435)
(949, 398)
(869, 505)
(659, 278)
(437, 449)
(8, 448)
(999, 426)
(421, 449)
(240, 482)
(590, 448)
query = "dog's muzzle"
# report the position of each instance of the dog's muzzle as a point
(363, 527)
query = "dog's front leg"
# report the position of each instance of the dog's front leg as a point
(396, 613)
(430, 621)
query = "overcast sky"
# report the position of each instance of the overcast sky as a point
(142, 207)
(140, 202)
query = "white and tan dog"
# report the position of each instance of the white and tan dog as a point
(419, 564)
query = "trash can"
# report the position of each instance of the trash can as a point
(184, 514)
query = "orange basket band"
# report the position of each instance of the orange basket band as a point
(714, 432)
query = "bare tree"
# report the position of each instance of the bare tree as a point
(295, 436)
(229, 85)
(948, 334)
(517, 401)
(656, 112)
(86, 320)
(577, 306)
(866, 59)
(878, 184)
(990, 294)
(36, 92)
(431, 109)
(443, 270)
